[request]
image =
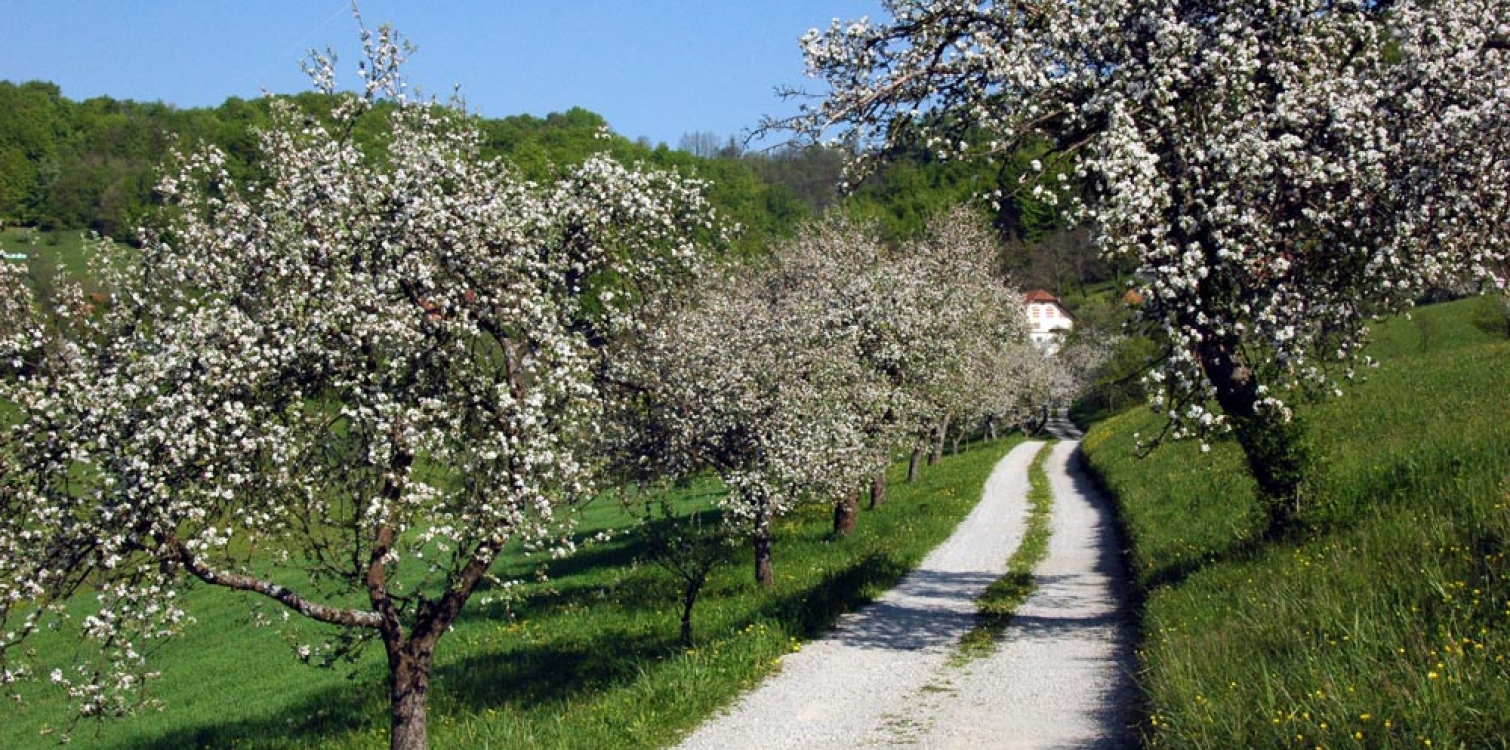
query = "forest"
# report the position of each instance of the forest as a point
(91, 165)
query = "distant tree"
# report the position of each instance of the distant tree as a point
(740, 378)
(1060, 261)
(812, 174)
(764, 213)
(701, 143)
(798, 378)
(836, 269)
(343, 388)
(962, 352)
(1278, 172)
(34, 133)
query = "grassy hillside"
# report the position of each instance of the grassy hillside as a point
(46, 253)
(587, 659)
(1385, 624)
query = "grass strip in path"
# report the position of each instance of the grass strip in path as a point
(1001, 599)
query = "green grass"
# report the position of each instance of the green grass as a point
(47, 252)
(1386, 621)
(586, 659)
(999, 602)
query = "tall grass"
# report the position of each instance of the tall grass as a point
(589, 658)
(1387, 622)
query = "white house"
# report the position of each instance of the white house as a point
(1048, 320)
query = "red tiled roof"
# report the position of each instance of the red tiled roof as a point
(1039, 295)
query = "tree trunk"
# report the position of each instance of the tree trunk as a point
(765, 576)
(846, 510)
(411, 658)
(939, 435)
(913, 464)
(409, 691)
(689, 599)
(991, 428)
(878, 489)
(1279, 460)
(1276, 451)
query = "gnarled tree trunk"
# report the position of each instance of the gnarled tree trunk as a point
(1275, 448)
(940, 433)
(408, 694)
(914, 463)
(878, 489)
(846, 511)
(765, 574)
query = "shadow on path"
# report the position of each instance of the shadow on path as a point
(910, 619)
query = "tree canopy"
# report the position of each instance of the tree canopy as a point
(797, 376)
(342, 384)
(1278, 172)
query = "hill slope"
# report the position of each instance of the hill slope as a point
(1387, 622)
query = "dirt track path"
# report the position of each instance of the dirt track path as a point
(885, 678)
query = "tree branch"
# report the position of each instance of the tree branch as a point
(282, 594)
(448, 608)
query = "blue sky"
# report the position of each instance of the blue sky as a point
(654, 68)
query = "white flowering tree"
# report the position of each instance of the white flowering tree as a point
(966, 356)
(1078, 362)
(1279, 172)
(799, 378)
(744, 376)
(343, 388)
(832, 272)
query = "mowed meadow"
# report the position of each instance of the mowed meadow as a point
(45, 254)
(1384, 622)
(588, 658)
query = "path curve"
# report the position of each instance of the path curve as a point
(884, 676)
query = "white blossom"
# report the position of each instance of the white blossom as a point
(302, 382)
(1278, 172)
(797, 379)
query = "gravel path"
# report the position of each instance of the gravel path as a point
(884, 677)
(1061, 677)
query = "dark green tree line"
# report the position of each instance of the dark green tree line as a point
(92, 164)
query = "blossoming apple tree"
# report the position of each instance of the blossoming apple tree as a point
(746, 376)
(1279, 171)
(797, 379)
(970, 358)
(343, 388)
